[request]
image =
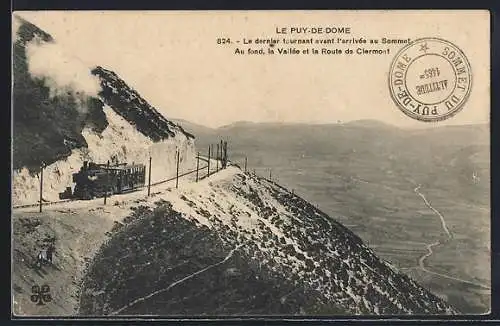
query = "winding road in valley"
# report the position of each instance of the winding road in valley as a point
(443, 221)
(421, 260)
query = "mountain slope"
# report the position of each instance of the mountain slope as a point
(132, 107)
(226, 244)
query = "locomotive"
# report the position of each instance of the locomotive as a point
(97, 180)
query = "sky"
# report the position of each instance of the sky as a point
(173, 60)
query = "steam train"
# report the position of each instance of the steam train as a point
(95, 180)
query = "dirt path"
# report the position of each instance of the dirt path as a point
(421, 260)
(441, 217)
(429, 253)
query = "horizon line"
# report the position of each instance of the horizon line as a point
(339, 123)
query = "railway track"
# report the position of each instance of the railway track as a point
(200, 169)
(48, 203)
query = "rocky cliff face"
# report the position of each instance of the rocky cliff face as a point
(65, 113)
(136, 110)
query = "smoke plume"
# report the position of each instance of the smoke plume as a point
(62, 73)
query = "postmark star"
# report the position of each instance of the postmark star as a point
(424, 47)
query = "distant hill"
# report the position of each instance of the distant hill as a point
(377, 131)
(369, 123)
(441, 156)
(196, 129)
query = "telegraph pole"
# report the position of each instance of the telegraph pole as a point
(213, 152)
(149, 177)
(269, 174)
(41, 185)
(217, 159)
(177, 177)
(225, 154)
(197, 165)
(107, 184)
(208, 160)
(222, 154)
(246, 164)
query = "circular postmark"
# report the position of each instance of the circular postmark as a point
(430, 79)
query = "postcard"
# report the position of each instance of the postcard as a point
(184, 164)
